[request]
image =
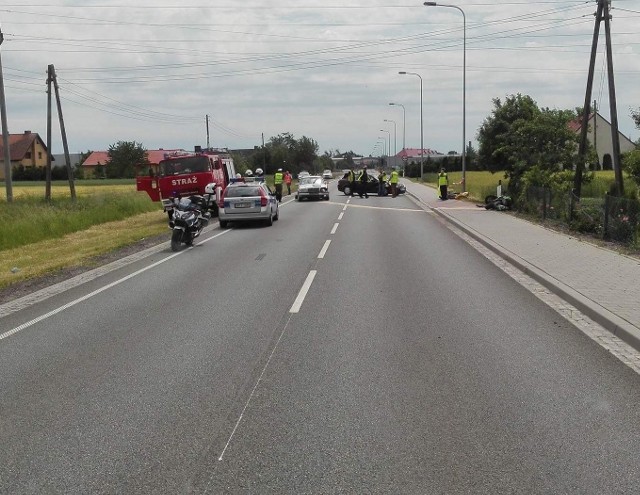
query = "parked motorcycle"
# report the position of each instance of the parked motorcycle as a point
(189, 217)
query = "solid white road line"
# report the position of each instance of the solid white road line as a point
(297, 304)
(335, 227)
(323, 251)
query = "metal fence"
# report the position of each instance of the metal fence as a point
(612, 218)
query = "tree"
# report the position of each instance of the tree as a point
(519, 135)
(323, 162)
(305, 152)
(495, 151)
(471, 160)
(631, 164)
(124, 158)
(635, 115)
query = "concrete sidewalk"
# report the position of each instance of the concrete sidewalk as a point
(601, 283)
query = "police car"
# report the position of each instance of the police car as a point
(247, 201)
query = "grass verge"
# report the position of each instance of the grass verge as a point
(78, 248)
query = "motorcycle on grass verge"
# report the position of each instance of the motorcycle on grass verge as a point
(189, 217)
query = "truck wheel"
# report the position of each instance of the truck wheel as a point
(176, 240)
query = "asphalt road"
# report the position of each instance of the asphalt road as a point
(360, 348)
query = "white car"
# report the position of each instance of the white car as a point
(312, 187)
(327, 174)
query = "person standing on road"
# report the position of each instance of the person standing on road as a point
(351, 177)
(382, 183)
(443, 183)
(363, 180)
(287, 180)
(277, 182)
(394, 183)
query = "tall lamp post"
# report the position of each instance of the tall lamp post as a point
(389, 148)
(404, 123)
(395, 139)
(383, 141)
(464, 86)
(421, 122)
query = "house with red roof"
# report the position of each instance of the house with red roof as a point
(91, 167)
(599, 135)
(26, 149)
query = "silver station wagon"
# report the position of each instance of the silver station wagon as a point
(247, 202)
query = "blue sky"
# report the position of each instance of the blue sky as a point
(151, 71)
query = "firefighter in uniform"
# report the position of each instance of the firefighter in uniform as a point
(443, 182)
(277, 181)
(394, 183)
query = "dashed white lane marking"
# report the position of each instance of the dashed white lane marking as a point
(323, 251)
(335, 227)
(340, 216)
(297, 304)
(96, 292)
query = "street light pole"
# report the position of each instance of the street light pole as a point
(395, 139)
(384, 145)
(464, 86)
(404, 123)
(389, 148)
(421, 122)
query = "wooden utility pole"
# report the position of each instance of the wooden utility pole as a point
(602, 14)
(5, 134)
(595, 130)
(207, 121)
(47, 188)
(65, 145)
(613, 105)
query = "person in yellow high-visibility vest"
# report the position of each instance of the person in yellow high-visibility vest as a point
(393, 180)
(443, 183)
(278, 178)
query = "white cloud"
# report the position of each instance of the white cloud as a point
(151, 71)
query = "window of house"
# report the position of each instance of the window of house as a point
(27, 154)
(39, 155)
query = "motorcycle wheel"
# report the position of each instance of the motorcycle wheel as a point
(176, 240)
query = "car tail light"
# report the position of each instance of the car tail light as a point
(221, 200)
(264, 201)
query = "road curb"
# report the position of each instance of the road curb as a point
(618, 326)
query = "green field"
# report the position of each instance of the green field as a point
(40, 237)
(29, 218)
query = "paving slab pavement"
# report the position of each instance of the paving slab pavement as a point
(603, 284)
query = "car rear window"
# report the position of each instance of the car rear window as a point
(242, 192)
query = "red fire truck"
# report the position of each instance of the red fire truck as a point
(183, 173)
